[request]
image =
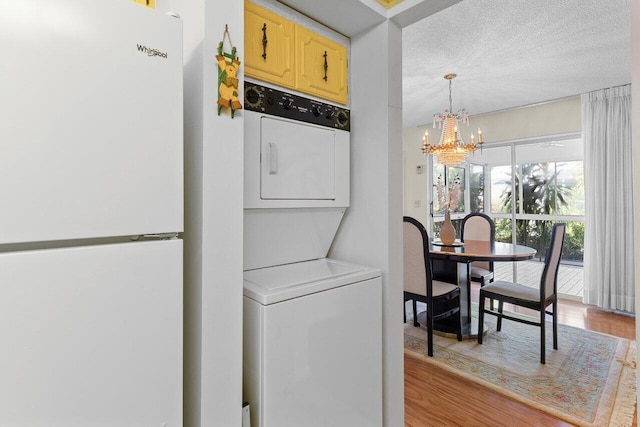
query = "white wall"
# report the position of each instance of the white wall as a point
(552, 118)
(371, 232)
(213, 221)
(635, 94)
(213, 254)
(414, 185)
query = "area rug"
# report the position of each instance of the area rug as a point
(588, 381)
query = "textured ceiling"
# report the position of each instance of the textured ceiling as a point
(511, 53)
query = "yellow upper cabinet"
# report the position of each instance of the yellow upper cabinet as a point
(321, 66)
(268, 42)
(286, 54)
(148, 3)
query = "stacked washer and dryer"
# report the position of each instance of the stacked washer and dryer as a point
(312, 325)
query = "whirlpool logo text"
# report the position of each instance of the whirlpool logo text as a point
(151, 52)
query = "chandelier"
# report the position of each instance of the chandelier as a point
(451, 150)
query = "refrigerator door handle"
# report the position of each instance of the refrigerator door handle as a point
(161, 236)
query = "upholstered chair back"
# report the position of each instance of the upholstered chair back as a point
(415, 266)
(552, 261)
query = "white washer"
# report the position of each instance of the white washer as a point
(312, 345)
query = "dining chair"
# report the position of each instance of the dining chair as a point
(420, 286)
(530, 297)
(479, 226)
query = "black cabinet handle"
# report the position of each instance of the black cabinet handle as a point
(325, 66)
(264, 41)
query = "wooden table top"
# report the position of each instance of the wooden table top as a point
(476, 250)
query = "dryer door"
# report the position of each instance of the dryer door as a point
(298, 161)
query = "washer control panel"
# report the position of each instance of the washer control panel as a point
(278, 103)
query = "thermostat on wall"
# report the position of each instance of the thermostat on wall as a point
(419, 169)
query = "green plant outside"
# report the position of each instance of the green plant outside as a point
(542, 194)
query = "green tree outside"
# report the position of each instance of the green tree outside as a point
(542, 194)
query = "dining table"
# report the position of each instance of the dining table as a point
(450, 263)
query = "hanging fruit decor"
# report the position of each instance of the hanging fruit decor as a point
(228, 66)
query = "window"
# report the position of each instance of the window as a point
(501, 190)
(476, 188)
(547, 179)
(549, 187)
(552, 188)
(445, 180)
(570, 176)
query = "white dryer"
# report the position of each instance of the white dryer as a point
(312, 325)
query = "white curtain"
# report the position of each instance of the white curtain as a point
(608, 235)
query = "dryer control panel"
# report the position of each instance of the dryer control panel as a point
(267, 100)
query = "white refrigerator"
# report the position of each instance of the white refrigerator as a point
(91, 204)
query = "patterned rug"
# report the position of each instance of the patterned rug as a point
(588, 381)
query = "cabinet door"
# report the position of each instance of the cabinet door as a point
(321, 66)
(148, 3)
(268, 42)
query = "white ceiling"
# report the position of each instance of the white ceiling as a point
(511, 53)
(351, 17)
(506, 53)
(338, 14)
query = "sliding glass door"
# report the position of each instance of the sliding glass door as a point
(525, 186)
(549, 180)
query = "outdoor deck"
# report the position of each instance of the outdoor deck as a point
(570, 278)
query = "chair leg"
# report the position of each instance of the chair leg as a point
(542, 334)
(500, 307)
(404, 311)
(555, 324)
(459, 325)
(482, 283)
(480, 316)
(415, 314)
(430, 329)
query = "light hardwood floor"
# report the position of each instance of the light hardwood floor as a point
(433, 397)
